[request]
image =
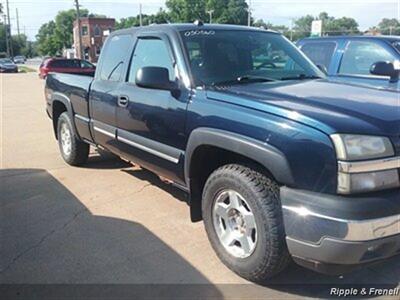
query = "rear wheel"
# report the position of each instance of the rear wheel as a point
(74, 151)
(243, 220)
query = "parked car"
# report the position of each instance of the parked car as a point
(350, 58)
(278, 162)
(63, 65)
(7, 66)
(20, 59)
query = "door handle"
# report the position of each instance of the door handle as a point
(123, 101)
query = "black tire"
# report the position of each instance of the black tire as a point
(270, 255)
(79, 151)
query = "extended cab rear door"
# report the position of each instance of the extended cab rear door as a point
(105, 89)
(151, 122)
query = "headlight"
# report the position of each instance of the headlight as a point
(361, 147)
(365, 163)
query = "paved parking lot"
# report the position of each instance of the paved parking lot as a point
(108, 222)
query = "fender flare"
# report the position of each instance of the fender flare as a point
(59, 97)
(265, 154)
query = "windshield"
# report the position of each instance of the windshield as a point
(5, 61)
(221, 56)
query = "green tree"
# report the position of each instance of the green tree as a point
(330, 25)
(341, 26)
(236, 12)
(302, 27)
(3, 46)
(57, 35)
(280, 28)
(224, 11)
(389, 26)
(46, 40)
(19, 43)
(181, 11)
(64, 23)
(159, 18)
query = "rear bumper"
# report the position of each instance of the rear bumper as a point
(331, 233)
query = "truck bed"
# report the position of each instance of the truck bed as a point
(73, 91)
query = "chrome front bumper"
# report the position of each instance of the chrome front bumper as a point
(323, 226)
(340, 230)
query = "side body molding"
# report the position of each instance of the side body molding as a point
(267, 155)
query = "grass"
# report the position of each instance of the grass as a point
(25, 69)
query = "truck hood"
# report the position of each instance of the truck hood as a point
(328, 106)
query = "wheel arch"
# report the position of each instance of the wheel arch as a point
(61, 103)
(218, 147)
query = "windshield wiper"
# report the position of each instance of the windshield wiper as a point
(301, 77)
(243, 80)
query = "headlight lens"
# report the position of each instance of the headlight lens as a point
(361, 147)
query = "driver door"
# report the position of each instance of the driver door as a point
(151, 122)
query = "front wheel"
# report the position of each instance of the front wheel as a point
(74, 151)
(243, 220)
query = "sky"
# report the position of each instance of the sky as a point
(32, 14)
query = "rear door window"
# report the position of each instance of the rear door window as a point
(320, 52)
(361, 55)
(114, 57)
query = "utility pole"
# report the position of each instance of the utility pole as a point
(390, 30)
(140, 15)
(7, 40)
(249, 14)
(78, 21)
(16, 11)
(8, 32)
(210, 12)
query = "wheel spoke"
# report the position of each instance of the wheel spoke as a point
(245, 243)
(249, 220)
(227, 238)
(234, 201)
(221, 210)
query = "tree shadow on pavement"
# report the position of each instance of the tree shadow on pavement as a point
(49, 237)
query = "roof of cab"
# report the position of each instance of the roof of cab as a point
(353, 37)
(189, 26)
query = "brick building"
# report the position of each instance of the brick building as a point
(94, 32)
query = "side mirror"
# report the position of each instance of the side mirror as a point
(154, 78)
(383, 68)
(323, 69)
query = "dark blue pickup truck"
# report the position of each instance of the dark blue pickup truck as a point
(279, 163)
(350, 58)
